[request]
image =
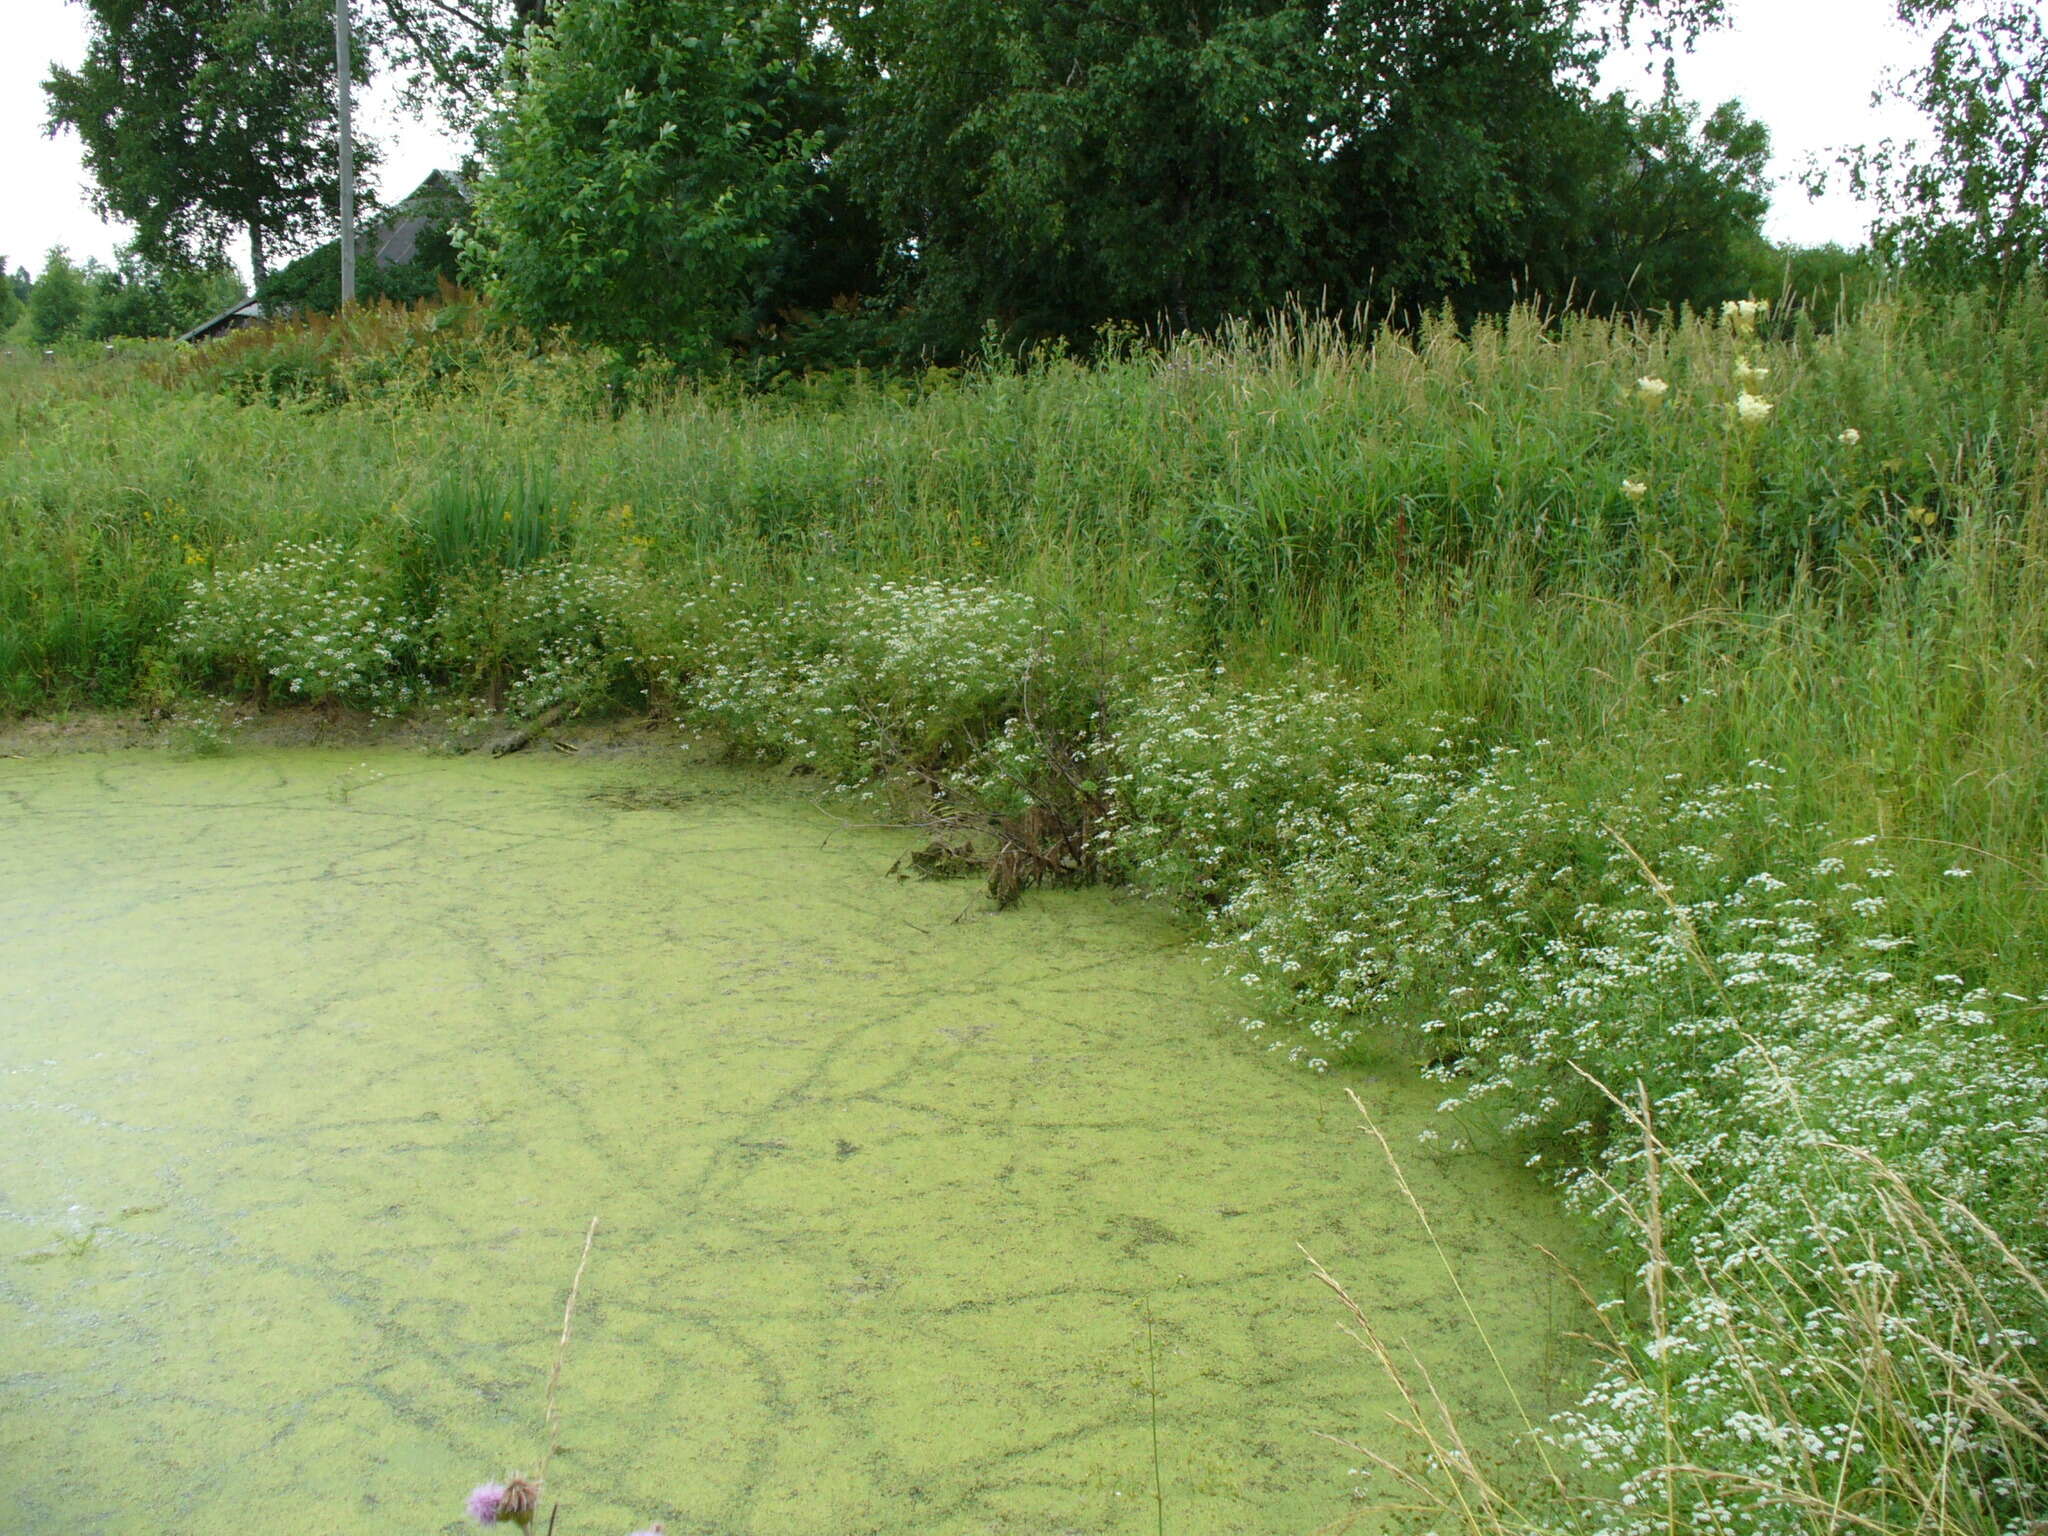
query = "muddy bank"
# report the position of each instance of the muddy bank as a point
(314, 1063)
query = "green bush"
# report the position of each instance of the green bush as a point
(391, 354)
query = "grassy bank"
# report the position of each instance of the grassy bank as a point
(1645, 725)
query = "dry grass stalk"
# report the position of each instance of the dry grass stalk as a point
(562, 1349)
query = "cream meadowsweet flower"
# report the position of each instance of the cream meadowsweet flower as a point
(1634, 490)
(1651, 391)
(1741, 315)
(1747, 373)
(1849, 437)
(1752, 409)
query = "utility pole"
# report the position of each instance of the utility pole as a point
(343, 90)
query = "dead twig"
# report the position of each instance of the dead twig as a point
(562, 1349)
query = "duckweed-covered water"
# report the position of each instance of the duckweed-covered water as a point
(314, 1067)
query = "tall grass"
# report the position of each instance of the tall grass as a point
(485, 518)
(1891, 1390)
(1672, 771)
(1443, 517)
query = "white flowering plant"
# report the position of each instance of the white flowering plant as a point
(918, 677)
(310, 621)
(558, 632)
(1824, 1171)
(1209, 779)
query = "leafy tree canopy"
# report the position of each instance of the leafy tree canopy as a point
(656, 159)
(1971, 205)
(139, 297)
(202, 117)
(56, 306)
(1048, 165)
(1053, 165)
(450, 53)
(10, 301)
(1627, 206)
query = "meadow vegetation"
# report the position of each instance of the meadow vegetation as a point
(1640, 724)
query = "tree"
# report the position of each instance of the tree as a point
(653, 163)
(702, 168)
(139, 297)
(1972, 205)
(200, 117)
(451, 52)
(121, 303)
(1053, 164)
(1828, 283)
(1637, 207)
(56, 306)
(10, 303)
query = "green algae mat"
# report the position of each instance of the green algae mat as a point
(314, 1067)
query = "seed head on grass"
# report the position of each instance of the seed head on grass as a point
(522, 1498)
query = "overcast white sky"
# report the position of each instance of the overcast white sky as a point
(1805, 67)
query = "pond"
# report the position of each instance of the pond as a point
(315, 1066)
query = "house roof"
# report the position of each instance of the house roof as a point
(391, 242)
(434, 203)
(247, 312)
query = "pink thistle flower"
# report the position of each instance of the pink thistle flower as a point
(485, 1500)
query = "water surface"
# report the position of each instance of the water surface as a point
(314, 1066)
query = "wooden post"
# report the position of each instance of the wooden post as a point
(343, 91)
